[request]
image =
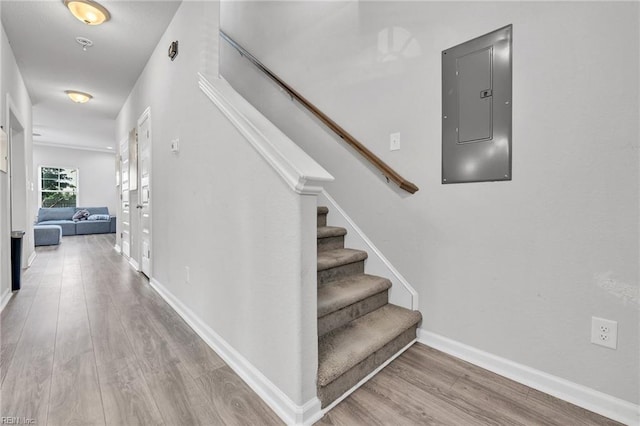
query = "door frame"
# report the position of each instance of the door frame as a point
(146, 115)
(12, 117)
(120, 228)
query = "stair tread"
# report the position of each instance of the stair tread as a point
(323, 210)
(343, 348)
(338, 257)
(347, 291)
(331, 231)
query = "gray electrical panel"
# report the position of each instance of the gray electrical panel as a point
(476, 109)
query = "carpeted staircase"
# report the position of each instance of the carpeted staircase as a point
(358, 330)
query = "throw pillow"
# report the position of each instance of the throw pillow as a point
(80, 215)
(99, 217)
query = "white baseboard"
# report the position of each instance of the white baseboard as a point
(117, 249)
(6, 296)
(582, 396)
(32, 257)
(281, 404)
(134, 264)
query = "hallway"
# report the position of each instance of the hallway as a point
(88, 342)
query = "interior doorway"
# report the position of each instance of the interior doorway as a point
(18, 191)
(125, 210)
(144, 191)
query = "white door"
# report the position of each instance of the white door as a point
(144, 190)
(125, 229)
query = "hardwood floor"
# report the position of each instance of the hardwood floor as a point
(427, 387)
(88, 342)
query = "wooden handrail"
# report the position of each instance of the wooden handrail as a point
(386, 170)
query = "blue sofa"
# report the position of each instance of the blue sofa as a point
(63, 217)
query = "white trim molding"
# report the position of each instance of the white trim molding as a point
(80, 147)
(401, 292)
(134, 264)
(582, 396)
(117, 249)
(6, 296)
(303, 174)
(281, 404)
(32, 257)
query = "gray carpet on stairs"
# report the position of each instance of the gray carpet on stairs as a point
(343, 348)
(347, 291)
(358, 329)
(331, 231)
(339, 257)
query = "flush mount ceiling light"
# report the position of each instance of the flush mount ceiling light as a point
(87, 11)
(78, 97)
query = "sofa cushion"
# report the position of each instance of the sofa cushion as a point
(93, 227)
(55, 213)
(99, 217)
(68, 226)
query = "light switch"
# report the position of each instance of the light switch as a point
(394, 141)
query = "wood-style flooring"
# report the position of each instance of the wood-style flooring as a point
(86, 341)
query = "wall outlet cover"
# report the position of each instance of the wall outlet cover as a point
(604, 332)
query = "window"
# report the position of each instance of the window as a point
(58, 187)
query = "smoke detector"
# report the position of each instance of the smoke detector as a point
(84, 42)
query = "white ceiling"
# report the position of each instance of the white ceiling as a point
(42, 36)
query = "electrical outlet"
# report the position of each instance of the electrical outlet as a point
(604, 332)
(187, 275)
(394, 141)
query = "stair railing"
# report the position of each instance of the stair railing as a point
(386, 170)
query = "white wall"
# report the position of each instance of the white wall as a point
(515, 268)
(13, 88)
(221, 210)
(96, 173)
(5, 256)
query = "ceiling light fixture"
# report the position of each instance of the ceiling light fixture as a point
(87, 11)
(78, 97)
(84, 42)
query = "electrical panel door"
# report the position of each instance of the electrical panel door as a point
(476, 109)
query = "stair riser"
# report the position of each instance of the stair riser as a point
(343, 316)
(340, 272)
(330, 243)
(335, 389)
(322, 220)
